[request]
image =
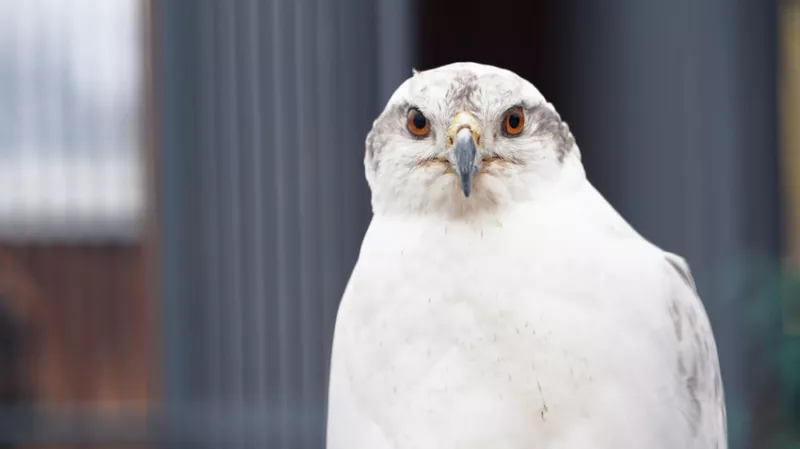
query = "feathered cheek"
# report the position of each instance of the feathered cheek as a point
(501, 162)
(498, 167)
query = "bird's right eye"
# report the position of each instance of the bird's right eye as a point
(418, 124)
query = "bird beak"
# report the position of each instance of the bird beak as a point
(464, 135)
(463, 160)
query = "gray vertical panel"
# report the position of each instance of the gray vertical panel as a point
(234, 302)
(331, 278)
(252, 218)
(677, 120)
(395, 30)
(171, 65)
(265, 106)
(307, 303)
(284, 108)
(208, 182)
(268, 197)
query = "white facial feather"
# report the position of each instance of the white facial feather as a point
(399, 166)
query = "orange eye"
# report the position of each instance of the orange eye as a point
(514, 121)
(418, 124)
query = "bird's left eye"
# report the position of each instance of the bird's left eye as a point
(418, 124)
(514, 121)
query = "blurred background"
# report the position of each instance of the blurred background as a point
(182, 196)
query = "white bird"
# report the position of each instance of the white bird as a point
(499, 301)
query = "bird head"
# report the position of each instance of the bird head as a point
(465, 138)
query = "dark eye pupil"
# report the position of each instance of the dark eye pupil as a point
(419, 120)
(513, 120)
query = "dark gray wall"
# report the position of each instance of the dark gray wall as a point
(264, 107)
(674, 106)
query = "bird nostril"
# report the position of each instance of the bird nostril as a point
(449, 140)
(478, 140)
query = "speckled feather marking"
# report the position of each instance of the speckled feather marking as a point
(702, 379)
(685, 274)
(462, 92)
(372, 148)
(689, 373)
(549, 122)
(378, 137)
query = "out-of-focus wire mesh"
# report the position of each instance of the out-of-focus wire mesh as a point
(182, 194)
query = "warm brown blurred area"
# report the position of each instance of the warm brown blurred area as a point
(77, 335)
(81, 325)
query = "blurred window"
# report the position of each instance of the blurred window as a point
(70, 100)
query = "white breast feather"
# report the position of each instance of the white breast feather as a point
(552, 326)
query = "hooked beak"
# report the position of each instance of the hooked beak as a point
(463, 161)
(463, 133)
